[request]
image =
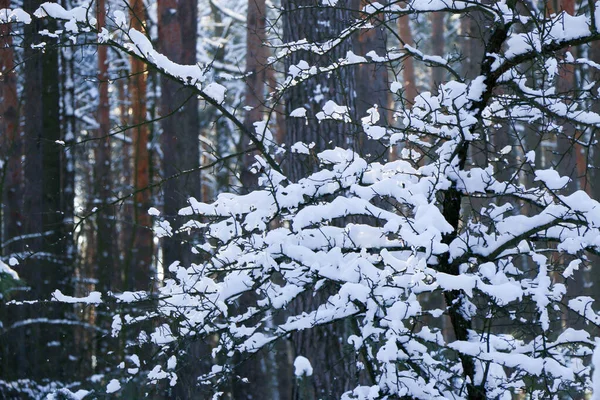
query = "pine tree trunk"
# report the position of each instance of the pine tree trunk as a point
(408, 65)
(125, 213)
(140, 272)
(180, 144)
(438, 42)
(267, 373)
(256, 59)
(10, 145)
(181, 151)
(372, 86)
(324, 346)
(103, 192)
(47, 266)
(11, 179)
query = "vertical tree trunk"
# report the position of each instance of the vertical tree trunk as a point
(66, 215)
(140, 275)
(324, 346)
(10, 144)
(574, 161)
(594, 55)
(101, 263)
(408, 70)
(318, 25)
(67, 161)
(177, 32)
(256, 76)
(125, 213)
(47, 266)
(267, 372)
(372, 86)
(438, 42)
(11, 178)
(473, 39)
(180, 144)
(105, 233)
(222, 137)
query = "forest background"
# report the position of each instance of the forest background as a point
(121, 122)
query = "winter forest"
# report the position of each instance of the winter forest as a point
(300, 199)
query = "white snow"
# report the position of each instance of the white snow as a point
(8, 15)
(551, 179)
(92, 298)
(5, 269)
(302, 367)
(113, 386)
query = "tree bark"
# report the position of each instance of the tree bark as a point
(372, 86)
(105, 220)
(324, 346)
(408, 70)
(438, 44)
(177, 33)
(140, 275)
(256, 77)
(125, 213)
(11, 179)
(179, 138)
(10, 144)
(267, 371)
(47, 265)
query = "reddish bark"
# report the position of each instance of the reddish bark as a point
(256, 76)
(568, 78)
(10, 189)
(140, 277)
(408, 72)
(10, 142)
(102, 168)
(574, 162)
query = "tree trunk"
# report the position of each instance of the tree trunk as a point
(574, 158)
(267, 371)
(10, 145)
(125, 213)
(180, 144)
(324, 346)
(372, 86)
(140, 275)
(11, 178)
(408, 70)
(47, 266)
(105, 233)
(181, 151)
(438, 44)
(256, 60)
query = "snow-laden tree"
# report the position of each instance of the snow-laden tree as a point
(451, 264)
